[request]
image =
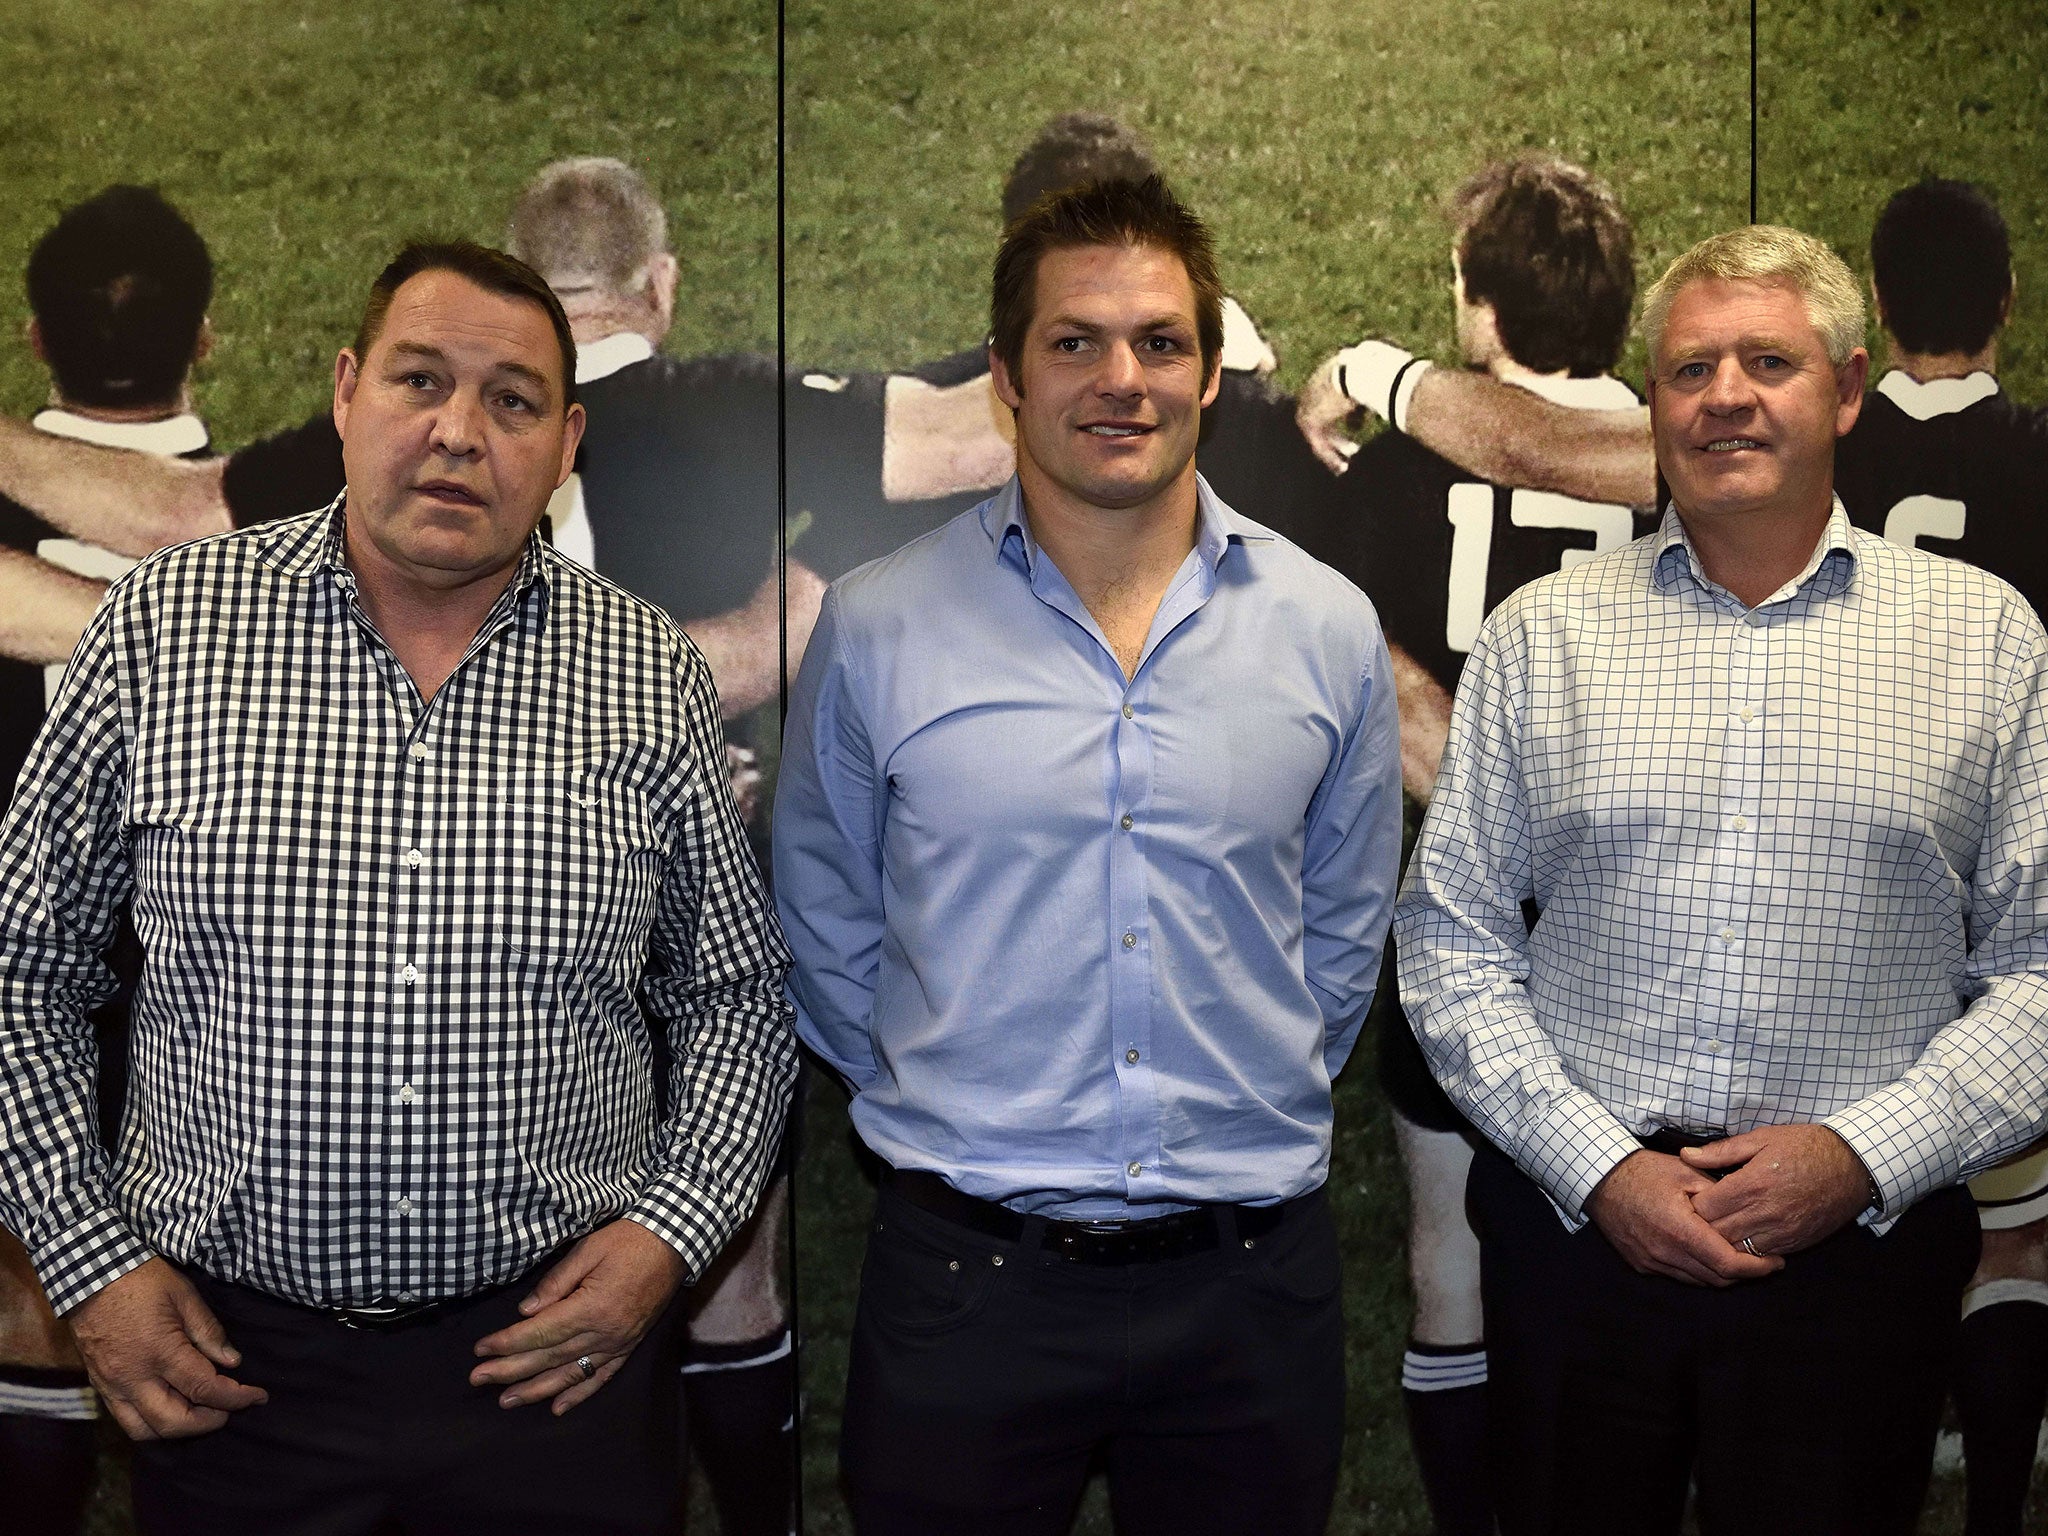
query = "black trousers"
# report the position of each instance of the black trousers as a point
(382, 1432)
(987, 1377)
(1805, 1404)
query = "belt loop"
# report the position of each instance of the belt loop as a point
(1032, 1239)
(1226, 1226)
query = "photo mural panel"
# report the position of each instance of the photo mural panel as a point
(626, 151)
(1909, 138)
(1325, 145)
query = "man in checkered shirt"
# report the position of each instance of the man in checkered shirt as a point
(424, 828)
(1775, 792)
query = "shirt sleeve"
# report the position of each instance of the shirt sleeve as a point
(64, 883)
(1979, 1090)
(714, 981)
(828, 855)
(1350, 861)
(1463, 946)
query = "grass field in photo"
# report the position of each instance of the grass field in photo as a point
(1319, 137)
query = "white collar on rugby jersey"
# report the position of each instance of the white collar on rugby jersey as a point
(601, 359)
(1602, 392)
(170, 437)
(1937, 397)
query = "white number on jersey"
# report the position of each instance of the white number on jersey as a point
(1470, 509)
(1924, 517)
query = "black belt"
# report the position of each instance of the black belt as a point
(1151, 1241)
(384, 1316)
(1670, 1140)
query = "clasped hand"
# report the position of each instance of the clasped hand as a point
(1790, 1187)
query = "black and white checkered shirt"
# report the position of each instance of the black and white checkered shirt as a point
(390, 1041)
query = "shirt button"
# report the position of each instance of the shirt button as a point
(1748, 715)
(1126, 823)
(417, 751)
(1130, 941)
(1131, 1055)
(414, 858)
(1129, 712)
(1135, 1169)
(1740, 823)
(404, 1206)
(410, 974)
(406, 1094)
(1727, 935)
(1713, 1047)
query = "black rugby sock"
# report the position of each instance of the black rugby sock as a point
(2001, 1389)
(48, 1443)
(1443, 1389)
(739, 1404)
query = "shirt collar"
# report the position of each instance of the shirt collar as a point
(1936, 397)
(601, 359)
(171, 437)
(1217, 526)
(304, 547)
(1830, 568)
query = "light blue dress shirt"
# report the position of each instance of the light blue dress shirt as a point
(1089, 946)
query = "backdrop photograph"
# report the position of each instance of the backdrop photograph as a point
(771, 226)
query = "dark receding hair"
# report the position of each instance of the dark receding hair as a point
(1943, 266)
(1072, 150)
(591, 222)
(1117, 212)
(492, 271)
(119, 288)
(1545, 243)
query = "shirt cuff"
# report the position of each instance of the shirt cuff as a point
(687, 1217)
(87, 1257)
(1904, 1161)
(1577, 1143)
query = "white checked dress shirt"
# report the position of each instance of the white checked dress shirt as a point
(1790, 864)
(389, 1043)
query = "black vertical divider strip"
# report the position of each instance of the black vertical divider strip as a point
(1752, 111)
(796, 1355)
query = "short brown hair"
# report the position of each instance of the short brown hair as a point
(492, 271)
(1545, 243)
(1121, 211)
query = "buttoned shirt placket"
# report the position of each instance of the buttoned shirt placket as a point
(398, 1184)
(1129, 783)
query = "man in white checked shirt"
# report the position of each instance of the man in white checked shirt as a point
(423, 827)
(1777, 792)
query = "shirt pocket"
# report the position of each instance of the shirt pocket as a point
(581, 865)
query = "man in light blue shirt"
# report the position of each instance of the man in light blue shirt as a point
(1086, 840)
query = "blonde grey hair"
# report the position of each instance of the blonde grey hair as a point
(1768, 253)
(588, 223)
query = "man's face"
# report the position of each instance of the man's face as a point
(1744, 405)
(1110, 390)
(453, 432)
